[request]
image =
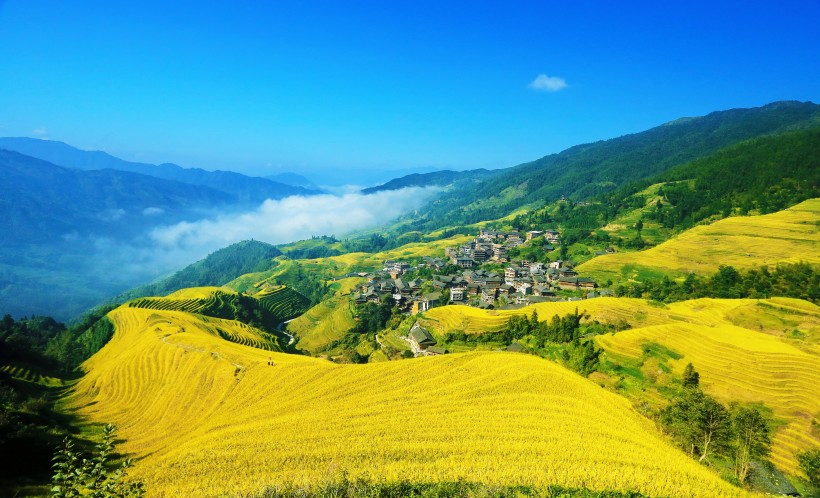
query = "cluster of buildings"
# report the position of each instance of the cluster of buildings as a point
(522, 282)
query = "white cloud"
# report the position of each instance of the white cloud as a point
(545, 83)
(40, 131)
(152, 211)
(292, 218)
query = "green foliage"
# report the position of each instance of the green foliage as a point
(374, 317)
(691, 378)
(97, 476)
(751, 439)
(810, 463)
(798, 280)
(698, 423)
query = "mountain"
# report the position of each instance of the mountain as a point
(587, 170)
(43, 202)
(246, 189)
(436, 178)
(220, 267)
(295, 179)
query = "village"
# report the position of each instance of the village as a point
(478, 274)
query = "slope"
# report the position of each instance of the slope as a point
(791, 235)
(747, 350)
(586, 170)
(206, 417)
(739, 364)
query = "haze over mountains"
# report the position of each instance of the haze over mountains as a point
(91, 225)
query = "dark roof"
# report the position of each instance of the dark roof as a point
(422, 337)
(437, 350)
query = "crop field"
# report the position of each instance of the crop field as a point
(746, 350)
(746, 365)
(323, 323)
(788, 236)
(283, 302)
(206, 417)
(471, 320)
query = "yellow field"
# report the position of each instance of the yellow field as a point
(741, 364)
(207, 417)
(742, 348)
(788, 236)
(322, 324)
(471, 320)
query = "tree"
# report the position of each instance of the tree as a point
(810, 463)
(96, 477)
(751, 439)
(691, 378)
(698, 422)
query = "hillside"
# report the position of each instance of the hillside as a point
(747, 350)
(243, 188)
(588, 170)
(742, 242)
(216, 269)
(239, 423)
(436, 178)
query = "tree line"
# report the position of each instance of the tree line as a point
(797, 280)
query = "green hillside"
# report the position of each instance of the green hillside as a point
(588, 170)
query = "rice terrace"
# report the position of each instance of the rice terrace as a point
(409, 250)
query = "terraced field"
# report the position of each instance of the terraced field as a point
(208, 417)
(284, 302)
(471, 320)
(746, 350)
(323, 324)
(789, 236)
(739, 364)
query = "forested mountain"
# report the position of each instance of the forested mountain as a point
(436, 178)
(218, 268)
(242, 188)
(587, 170)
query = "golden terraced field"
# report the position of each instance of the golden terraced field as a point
(787, 236)
(740, 364)
(741, 347)
(208, 417)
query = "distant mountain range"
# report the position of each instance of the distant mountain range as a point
(241, 188)
(61, 207)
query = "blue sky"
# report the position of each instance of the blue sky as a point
(306, 86)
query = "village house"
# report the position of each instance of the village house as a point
(420, 339)
(457, 294)
(513, 272)
(532, 234)
(522, 287)
(465, 261)
(557, 264)
(552, 236)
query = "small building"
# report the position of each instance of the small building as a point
(532, 234)
(457, 294)
(435, 351)
(465, 261)
(420, 339)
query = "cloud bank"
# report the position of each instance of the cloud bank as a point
(544, 83)
(171, 247)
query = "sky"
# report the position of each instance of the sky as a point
(307, 86)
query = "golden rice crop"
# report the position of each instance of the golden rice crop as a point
(787, 236)
(207, 417)
(323, 323)
(738, 364)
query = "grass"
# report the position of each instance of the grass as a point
(322, 324)
(208, 417)
(788, 236)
